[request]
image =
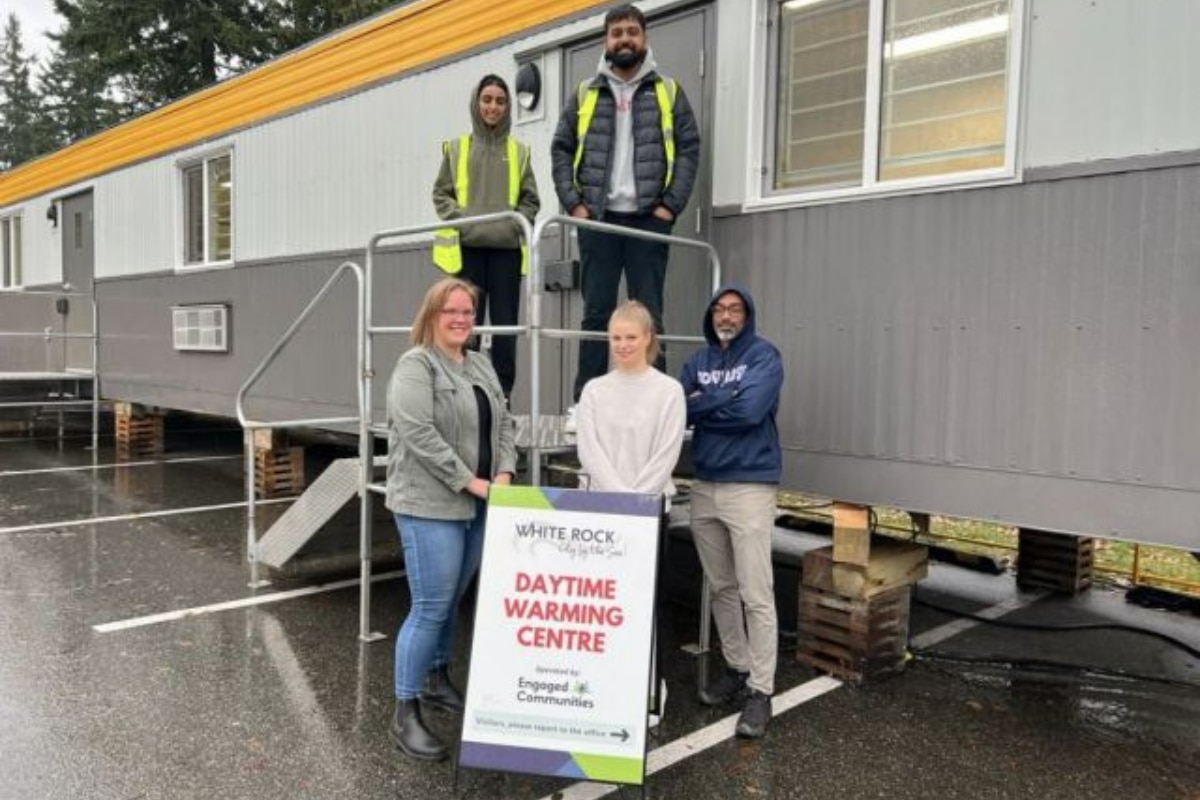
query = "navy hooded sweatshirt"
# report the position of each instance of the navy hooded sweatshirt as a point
(732, 398)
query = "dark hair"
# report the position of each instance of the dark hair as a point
(492, 80)
(624, 12)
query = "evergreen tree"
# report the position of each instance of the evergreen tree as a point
(155, 51)
(77, 98)
(296, 22)
(22, 135)
(115, 59)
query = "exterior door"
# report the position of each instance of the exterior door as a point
(79, 268)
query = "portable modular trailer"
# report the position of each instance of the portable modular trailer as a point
(969, 225)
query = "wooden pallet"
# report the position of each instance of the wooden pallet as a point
(1055, 561)
(891, 565)
(279, 472)
(138, 436)
(854, 639)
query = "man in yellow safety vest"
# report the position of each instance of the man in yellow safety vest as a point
(626, 152)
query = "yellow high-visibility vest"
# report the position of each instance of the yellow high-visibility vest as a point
(447, 249)
(665, 90)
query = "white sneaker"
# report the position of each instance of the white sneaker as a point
(569, 420)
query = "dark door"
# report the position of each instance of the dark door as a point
(79, 268)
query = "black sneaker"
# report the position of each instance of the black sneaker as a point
(756, 713)
(730, 686)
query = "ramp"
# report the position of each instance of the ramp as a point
(324, 498)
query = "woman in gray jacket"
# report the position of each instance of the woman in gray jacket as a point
(449, 438)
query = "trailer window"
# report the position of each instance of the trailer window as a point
(208, 211)
(872, 93)
(11, 276)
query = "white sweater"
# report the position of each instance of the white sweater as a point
(629, 431)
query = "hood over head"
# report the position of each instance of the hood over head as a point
(710, 332)
(478, 127)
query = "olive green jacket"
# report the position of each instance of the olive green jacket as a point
(433, 433)
(488, 180)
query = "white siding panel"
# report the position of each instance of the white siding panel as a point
(740, 86)
(135, 211)
(328, 178)
(43, 244)
(40, 242)
(1112, 79)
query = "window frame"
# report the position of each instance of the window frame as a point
(760, 192)
(203, 162)
(13, 252)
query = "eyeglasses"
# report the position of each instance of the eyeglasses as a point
(733, 309)
(461, 313)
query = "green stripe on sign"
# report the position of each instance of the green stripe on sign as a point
(610, 769)
(518, 497)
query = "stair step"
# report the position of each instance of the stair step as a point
(324, 498)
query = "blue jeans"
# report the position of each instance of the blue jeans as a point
(440, 558)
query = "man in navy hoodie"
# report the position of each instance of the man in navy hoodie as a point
(732, 390)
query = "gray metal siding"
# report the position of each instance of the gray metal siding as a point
(30, 313)
(313, 377)
(1043, 330)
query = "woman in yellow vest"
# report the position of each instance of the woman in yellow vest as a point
(483, 172)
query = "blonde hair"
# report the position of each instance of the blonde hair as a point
(638, 314)
(431, 307)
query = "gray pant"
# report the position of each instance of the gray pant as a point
(732, 525)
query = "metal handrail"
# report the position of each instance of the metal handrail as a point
(367, 330)
(251, 425)
(535, 305)
(535, 310)
(269, 358)
(366, 441)
(47, 334)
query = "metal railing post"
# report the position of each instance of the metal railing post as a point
(95, 373)
(366, 453)
(251, 508)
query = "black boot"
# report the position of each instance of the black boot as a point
(409, 733)
(439, 692)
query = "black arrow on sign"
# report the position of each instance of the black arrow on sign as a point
(623, 735)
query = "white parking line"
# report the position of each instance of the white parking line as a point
(943, 632)
(698, 741)
(170, 512)
(245, 602)
(188, 460)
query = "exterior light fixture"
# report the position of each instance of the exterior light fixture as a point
(529, 86)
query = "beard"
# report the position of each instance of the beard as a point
(727, 333)
(625, 58)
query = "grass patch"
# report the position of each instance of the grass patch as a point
(1167, 567)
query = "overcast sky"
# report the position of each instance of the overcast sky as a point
(37, 17)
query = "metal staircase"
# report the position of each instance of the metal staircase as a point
(320, 501)
(542, 435)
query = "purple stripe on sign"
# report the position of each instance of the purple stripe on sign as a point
(518, 759)
(623, 503)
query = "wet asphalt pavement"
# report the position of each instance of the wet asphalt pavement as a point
(282, 701)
